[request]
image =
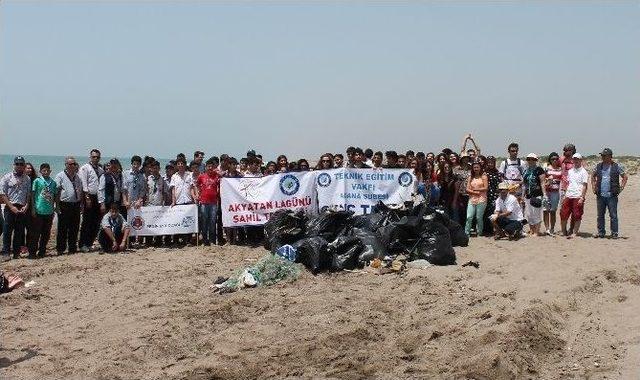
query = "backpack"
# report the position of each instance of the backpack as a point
(518, 164)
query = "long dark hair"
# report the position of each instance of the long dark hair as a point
(278, 161)
(445, 174)
(473, 172)
(33, 174)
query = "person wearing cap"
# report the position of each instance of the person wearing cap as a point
(574, 197)
(534, 192)
(90, 174)
(507, 219)
(607, 181)
(15, 192)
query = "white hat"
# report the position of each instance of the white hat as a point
(533, 156)
(503, 186)
(577, 155)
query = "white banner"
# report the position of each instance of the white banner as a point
(163, 220)
(251, 201)
(358, 190)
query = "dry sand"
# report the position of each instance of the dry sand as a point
(545, 308)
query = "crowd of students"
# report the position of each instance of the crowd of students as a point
(91, 201)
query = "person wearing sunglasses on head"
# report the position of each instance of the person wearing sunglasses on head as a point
(15, 193)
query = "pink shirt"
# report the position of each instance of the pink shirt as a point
(474, 184)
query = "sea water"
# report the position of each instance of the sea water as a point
(57, 162)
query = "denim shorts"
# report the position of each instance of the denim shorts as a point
(553, 201)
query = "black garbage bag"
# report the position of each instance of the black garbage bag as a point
(434, 245)
(372, 246)
(284, 227)
(458, 237)
(412, 225)
(370, 222)
(395, 238)
(328, 224)
(312, 253)
(344, 252)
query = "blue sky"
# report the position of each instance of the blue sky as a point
(304, 78)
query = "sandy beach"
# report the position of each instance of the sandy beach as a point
(547, 308)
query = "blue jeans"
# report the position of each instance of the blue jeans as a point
(610, 203)
(208, 214)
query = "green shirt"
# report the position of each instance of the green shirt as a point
(44, 193)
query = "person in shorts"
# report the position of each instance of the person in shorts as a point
(574, 197)
(553, 176)
(534, 192)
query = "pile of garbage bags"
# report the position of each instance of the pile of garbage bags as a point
(338, 240)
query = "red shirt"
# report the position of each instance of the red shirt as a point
(566, 164)
(209, 188)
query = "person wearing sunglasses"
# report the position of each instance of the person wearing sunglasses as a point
(325, 162)
(15, 193)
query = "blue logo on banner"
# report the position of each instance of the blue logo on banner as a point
(405, 179)
(188, 221)
(324, 180)
(289, 184)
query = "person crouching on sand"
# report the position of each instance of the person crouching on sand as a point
(507, 218)
(114, 232)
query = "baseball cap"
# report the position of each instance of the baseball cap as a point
(532, 156)
(503, 186)
(18, 160)
(606, 152)
(577, 155)
(251, 153)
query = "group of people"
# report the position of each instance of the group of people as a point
(92, 201)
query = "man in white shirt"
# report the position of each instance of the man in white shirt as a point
(507, 219)
(69, 201)
(183, 192)
(574, 197)
(90, 174)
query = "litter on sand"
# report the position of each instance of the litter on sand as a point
(269, 270)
